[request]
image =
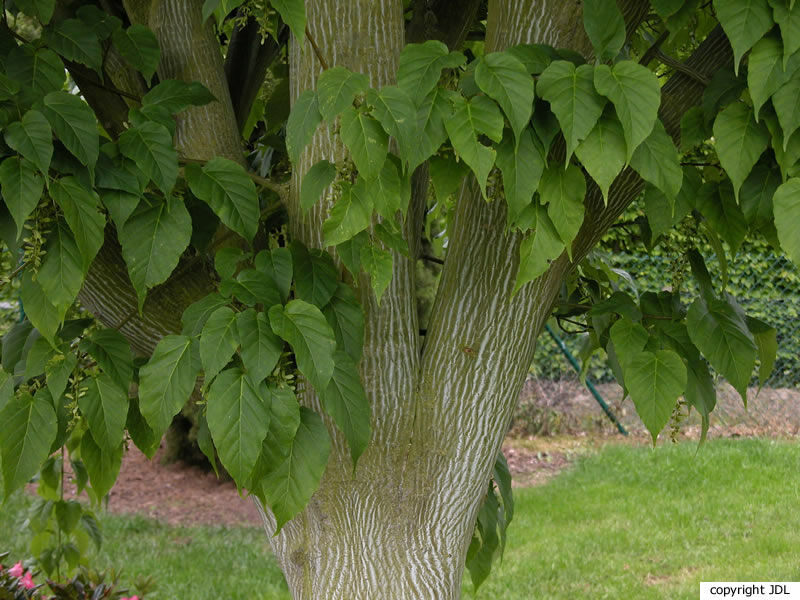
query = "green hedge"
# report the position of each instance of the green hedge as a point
(766, 286)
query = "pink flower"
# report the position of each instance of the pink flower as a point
(131, 598)
(16, 570)
(27, 581)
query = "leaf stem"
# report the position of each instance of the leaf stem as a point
(317, 51)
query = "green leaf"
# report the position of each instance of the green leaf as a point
(196, 314)
(429, 133)
(658, 210)
(766, 339)
(175, 96)
(755, 196)
(44, 315)
(58, 371)
(149, 145)
(725, 216)
(395, 110)
(68, 514)
(261, 348)
(378, 264)
(238, 418)
(167, 381)
(315, 275)
(102, 23)
(629, 340)
(786, 202)
(76, 41)
(351, 214)
(421, 66)
(788, 18)
(562, 191)
(346, 402)
(739, 142)
(302, 123)
(656, 160)
(153, 239)
(350, 252)
(694, 130)
(572, 99)
(81, 211)
(293, 13)
(337, 87)
(139, 46)
(318, 178)
(105, 407)
(32, 138)
(40, 71)
(535, 57)
(29, 427)
(19, 335)
(744, 22)
(522, 166)
(666, 8)
(75, 125)
(228, 190)
(226, 261)
(447, 173)
(283, 423)
(277, 265)
(786, 108)
(504, 78)
(6, 388)
(619, 303)
(603, 152)
(366, 140)
(103, 466)
(724, 88)
(141, 433)
(112, 352)
(252, 287)
(390, 191)
(471, 118)
(719, 331)
(539, 249)
(391, 237)
(655, 380)
(311, 338)
(605, 27)
(346, 318)
(38, 9)
(218, 342)
(61, 274)
(766, 72)
(21, 187)
(294, 471)
(636, 95)
(700, 389)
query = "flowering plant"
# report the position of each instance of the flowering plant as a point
(16, 583)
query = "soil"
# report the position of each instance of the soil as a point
(555, 423)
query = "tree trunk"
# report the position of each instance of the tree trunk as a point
(399, 527)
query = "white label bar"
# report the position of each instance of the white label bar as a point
(750, 590)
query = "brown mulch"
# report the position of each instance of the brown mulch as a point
(176, 493)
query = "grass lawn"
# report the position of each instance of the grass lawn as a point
(625, 523)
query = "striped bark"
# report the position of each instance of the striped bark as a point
(399, 527)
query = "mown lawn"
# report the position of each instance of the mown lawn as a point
(625, 523)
